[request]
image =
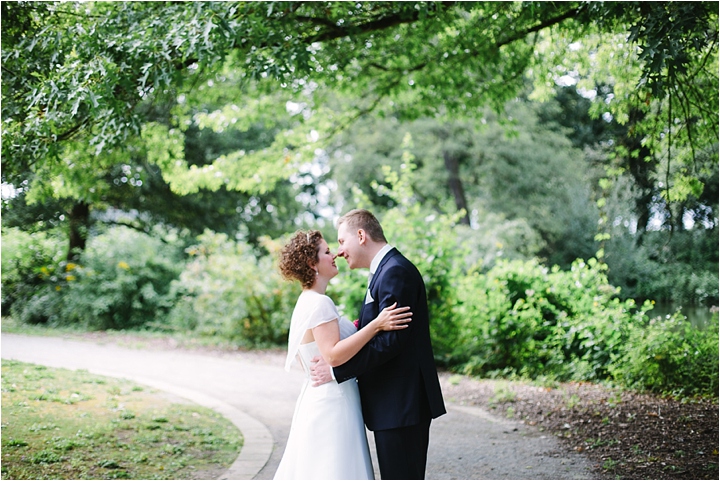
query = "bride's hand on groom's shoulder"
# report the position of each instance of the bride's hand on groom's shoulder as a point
(319, 371)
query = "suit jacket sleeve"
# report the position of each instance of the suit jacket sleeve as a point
(395, 284)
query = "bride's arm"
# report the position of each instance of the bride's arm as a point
(336, 351)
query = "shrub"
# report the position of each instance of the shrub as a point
(228, 291)
(34, 273)
(123, 281)
(428, 239)
(524, 319)
(681, 268)
(669, 355)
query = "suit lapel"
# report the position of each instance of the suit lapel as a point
(384, 260)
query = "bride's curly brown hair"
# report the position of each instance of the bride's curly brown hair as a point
(297, 255)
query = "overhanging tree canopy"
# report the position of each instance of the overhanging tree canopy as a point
(79, 79)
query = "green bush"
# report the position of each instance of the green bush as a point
(683, 284)
(524, 319)
(34, 274)
(515, 318)
(227, 291)
(668, 355)
(123, 281)
(427, 238)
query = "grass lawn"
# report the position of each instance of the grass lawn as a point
(62, 424)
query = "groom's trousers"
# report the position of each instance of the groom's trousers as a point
(402, 452)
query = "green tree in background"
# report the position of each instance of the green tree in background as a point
(213, 113)
(123, 187)
(79, 74)
(521, 169)
(548, 166)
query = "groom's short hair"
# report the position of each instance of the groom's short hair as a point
(365, 220)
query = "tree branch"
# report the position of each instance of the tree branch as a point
(56, 10)
(541, 26)
(362, 111)
(73, 130)
(518, 36)
(373, 25)
(141, 229)
(317, 21)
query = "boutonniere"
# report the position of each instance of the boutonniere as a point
(357, 323)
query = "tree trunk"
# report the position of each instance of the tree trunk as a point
(456, 187)
(641, 166)
(79, 224)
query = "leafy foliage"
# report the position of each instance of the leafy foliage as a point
(227, 291)
(668, 355)
(113, 64)
(524, 319)
(654, 91)
(123, 281)
(33, 271)
(518, 317)
(161, 110)
(681, 269)
(514, 166)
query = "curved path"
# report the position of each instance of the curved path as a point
(258, 396)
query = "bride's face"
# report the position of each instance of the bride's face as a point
(326, 261)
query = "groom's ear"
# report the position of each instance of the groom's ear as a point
(362, 236)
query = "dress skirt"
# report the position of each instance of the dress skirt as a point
(327, 438)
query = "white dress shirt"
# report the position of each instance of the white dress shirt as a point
(377, 259)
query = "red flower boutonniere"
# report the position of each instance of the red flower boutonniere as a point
(357, 323)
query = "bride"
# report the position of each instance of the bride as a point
(327, 436)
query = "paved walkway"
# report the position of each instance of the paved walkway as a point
(258, 396)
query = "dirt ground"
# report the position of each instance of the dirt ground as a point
(627, 435)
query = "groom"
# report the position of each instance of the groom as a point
(396, 375)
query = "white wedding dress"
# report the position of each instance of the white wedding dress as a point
(327, 436)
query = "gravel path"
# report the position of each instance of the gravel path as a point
(255, 393)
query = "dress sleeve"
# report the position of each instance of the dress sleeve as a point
(309, 312)
(324, 311)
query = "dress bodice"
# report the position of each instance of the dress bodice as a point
(310, 350)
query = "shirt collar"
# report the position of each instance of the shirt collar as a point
(379, 257)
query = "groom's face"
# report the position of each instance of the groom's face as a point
(349, 246)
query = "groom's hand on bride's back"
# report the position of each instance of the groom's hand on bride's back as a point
(319, 371)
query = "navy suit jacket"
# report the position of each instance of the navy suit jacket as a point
(396, 371)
